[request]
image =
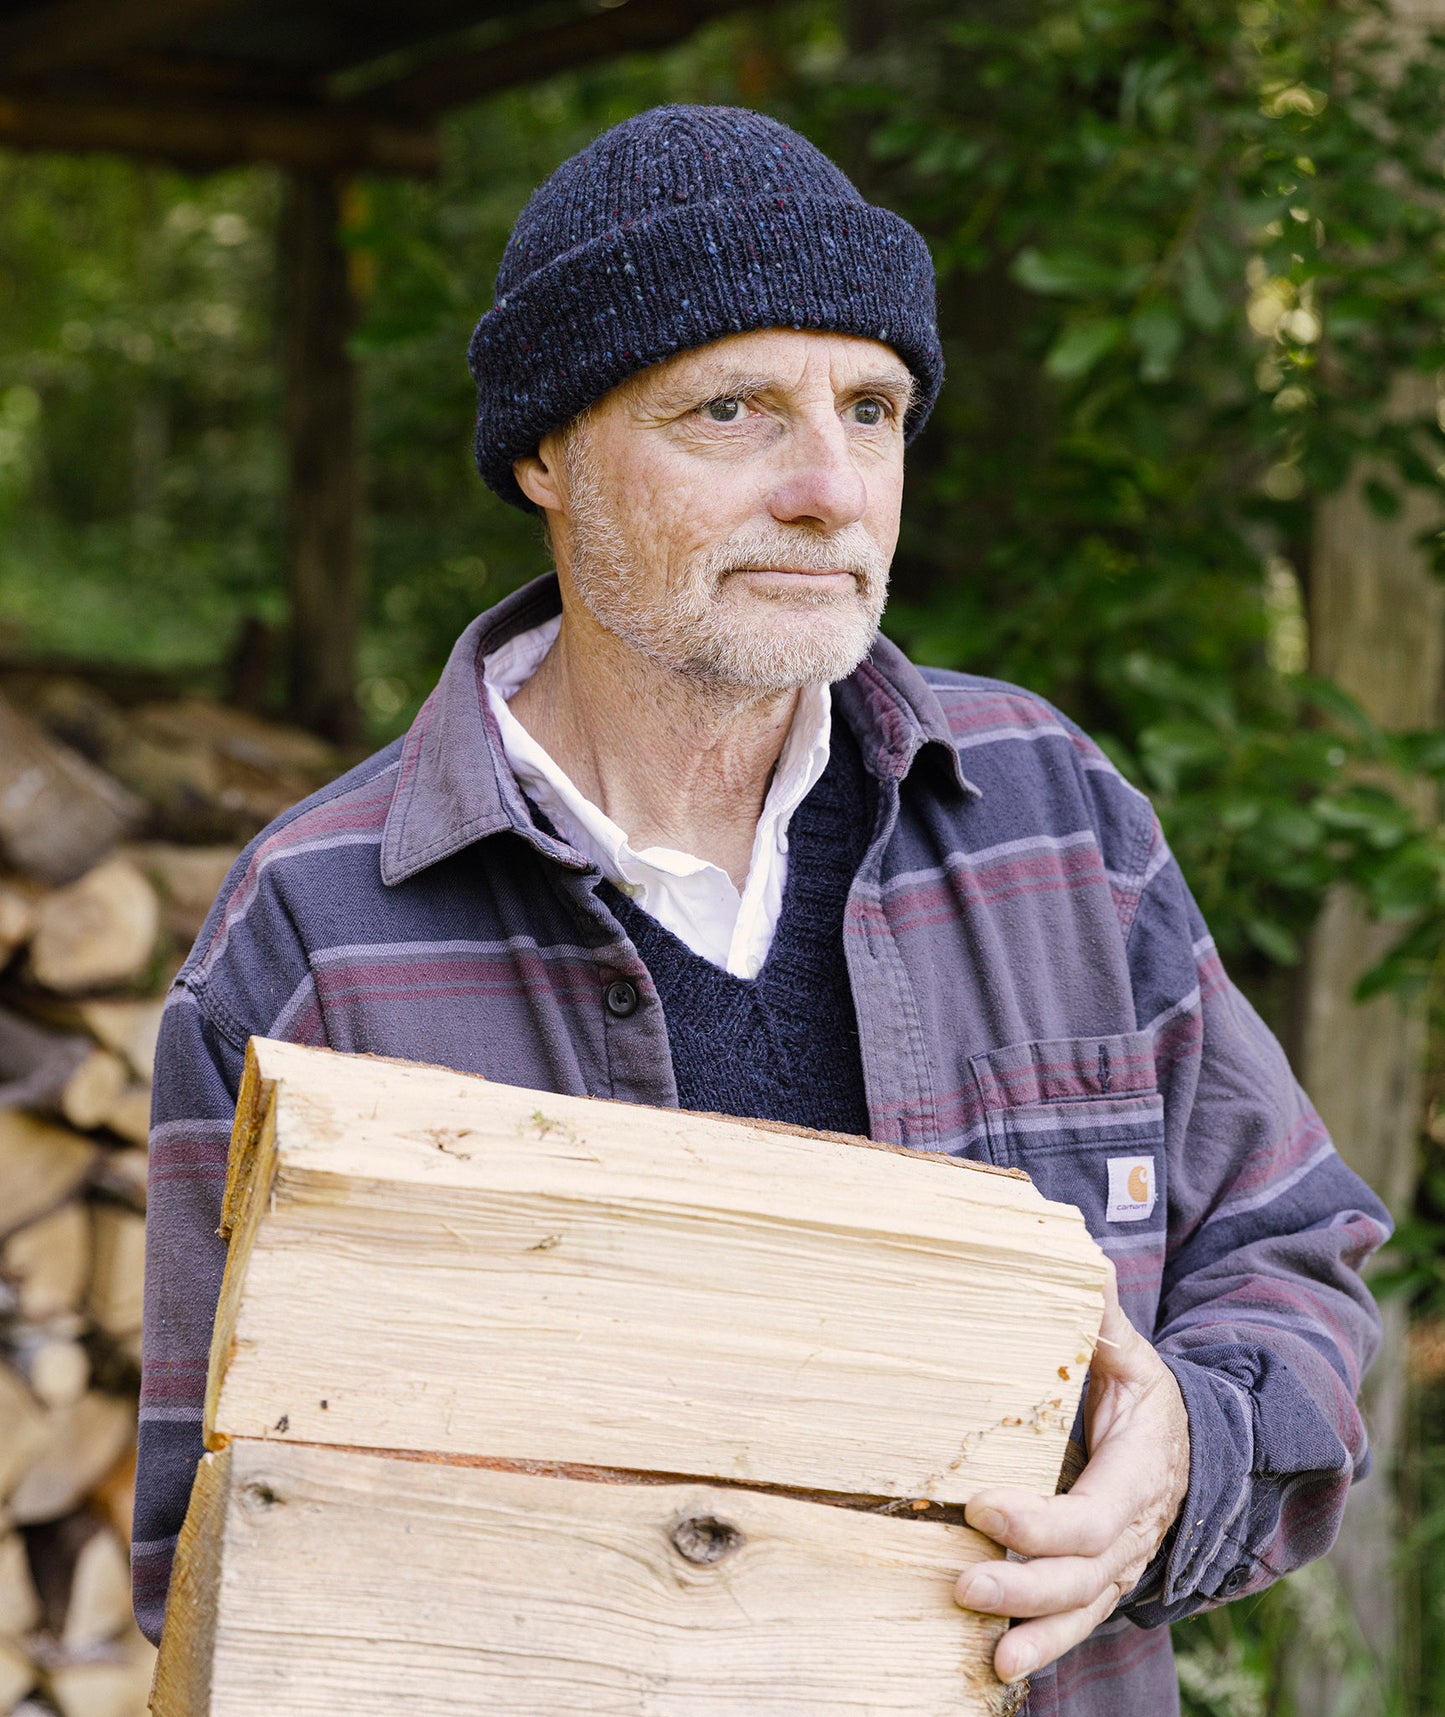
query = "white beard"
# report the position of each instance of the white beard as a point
(713, 628)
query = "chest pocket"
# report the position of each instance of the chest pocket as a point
(1082, 1116)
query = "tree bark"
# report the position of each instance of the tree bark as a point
(1377, 629)
(323, 491)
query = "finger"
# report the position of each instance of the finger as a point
(1027, 1648)
(1082, 1522)
(1048, 1587)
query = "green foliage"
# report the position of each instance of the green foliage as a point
(1185, 250)
(139, 495)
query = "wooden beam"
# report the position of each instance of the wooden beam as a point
(323, 567)
(74, 32)
(641, 26)
(222, 133)
(193, 78)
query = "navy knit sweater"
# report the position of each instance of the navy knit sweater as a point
(782, 1046)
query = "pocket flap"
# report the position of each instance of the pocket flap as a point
(1066, 1070)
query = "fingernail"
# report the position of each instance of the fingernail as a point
(988, 1521)
(1023, 1663)
(981, 1592)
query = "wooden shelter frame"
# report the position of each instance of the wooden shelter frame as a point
(322, 90)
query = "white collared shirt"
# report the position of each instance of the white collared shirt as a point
(695, 900)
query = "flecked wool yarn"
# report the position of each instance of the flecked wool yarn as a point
(677, 227)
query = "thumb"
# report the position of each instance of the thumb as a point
(1119, 1343)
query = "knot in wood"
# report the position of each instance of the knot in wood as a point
(704, 1539)
(258, 1495)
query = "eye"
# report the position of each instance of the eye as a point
(723, 410)
(870, 413)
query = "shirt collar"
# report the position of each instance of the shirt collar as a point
(800, 764)
(454, 785)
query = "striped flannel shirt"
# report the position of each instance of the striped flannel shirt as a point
(1034, 988)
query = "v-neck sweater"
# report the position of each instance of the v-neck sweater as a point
(782, 1046)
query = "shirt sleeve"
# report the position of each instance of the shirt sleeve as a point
(1264, 1318)
(197, 1076)
(248, 974)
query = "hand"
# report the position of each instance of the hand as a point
(1089, 1547)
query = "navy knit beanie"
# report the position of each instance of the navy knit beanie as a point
(673, 229)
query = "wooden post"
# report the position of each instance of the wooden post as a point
(323, 492)
(1377, 628)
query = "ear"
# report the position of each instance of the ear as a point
(538, 475)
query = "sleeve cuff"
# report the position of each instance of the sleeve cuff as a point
(1201, 1560)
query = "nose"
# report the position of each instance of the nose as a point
(818, 482)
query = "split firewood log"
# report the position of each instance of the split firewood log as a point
(99, 933)
(187, 878)
(36, 1065)
(526, 1594)
(180, 781)
(94, 1089)
(130, 1028)
(114, 1496)
(113, 1683)
(126, 1025)
(49, 1263)
(19, 1602)
(99, 1606)
(122, 1173)
(129, 1115)
(23, 1430)
(17, 1674)
(268, 747)
(78, 1446)
(58, 813)
(75, 711)
(117, 1271)
(17, 920)
(359, 1186)
(53, 1363)
(41, 1165)
(260, 768)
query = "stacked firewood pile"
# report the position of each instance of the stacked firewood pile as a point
(118, 822)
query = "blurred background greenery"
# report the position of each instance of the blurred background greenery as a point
(1189, 255)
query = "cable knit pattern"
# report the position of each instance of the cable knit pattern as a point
(675, 228)
(784, 1045)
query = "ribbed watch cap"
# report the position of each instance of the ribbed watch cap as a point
(677, 227)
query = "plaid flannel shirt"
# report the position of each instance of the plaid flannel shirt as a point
(1034, 988)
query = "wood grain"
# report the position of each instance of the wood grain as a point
(423, 1260)
(318, 1580)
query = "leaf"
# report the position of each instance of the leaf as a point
(1158, 334)
(1064, 273)
(1081, 346)
(1369, 812)
(1203, 303)
(1274, 940)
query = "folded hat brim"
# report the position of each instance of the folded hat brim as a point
(673, 281)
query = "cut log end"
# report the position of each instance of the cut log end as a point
(98, 934)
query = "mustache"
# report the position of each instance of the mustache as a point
(851, 550)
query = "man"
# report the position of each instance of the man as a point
(678, 826)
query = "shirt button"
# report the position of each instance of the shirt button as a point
(621, 998)
(1235, 1578)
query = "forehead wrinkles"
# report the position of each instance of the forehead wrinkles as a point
(771, 362)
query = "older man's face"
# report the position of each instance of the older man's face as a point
(732, 513)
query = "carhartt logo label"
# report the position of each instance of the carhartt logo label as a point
(1131, 1188)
